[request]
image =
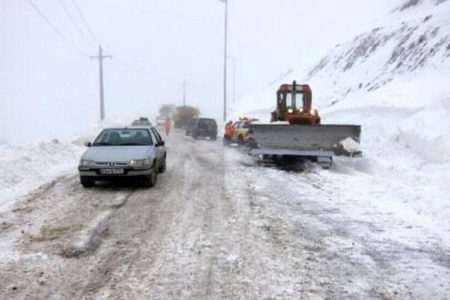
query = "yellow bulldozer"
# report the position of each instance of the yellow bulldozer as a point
(296, 132)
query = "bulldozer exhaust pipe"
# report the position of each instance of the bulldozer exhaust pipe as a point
(294, 94)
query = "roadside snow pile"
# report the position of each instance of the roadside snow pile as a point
(350, 146)
(28, 167)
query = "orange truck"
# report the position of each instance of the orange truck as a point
(183, 114)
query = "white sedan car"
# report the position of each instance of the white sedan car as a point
(135, 152)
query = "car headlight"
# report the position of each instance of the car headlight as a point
(290, 110)
(139, 163)
(87, 163)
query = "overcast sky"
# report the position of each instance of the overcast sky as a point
(49, 89)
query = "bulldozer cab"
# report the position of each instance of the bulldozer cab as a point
(294, 105)
(296, 97)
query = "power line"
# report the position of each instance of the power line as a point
(44, 17)
(84, 21)
(75, 23)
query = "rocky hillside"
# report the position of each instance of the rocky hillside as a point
(393, 80)
(415, 39)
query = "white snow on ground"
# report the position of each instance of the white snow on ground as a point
(28, 167)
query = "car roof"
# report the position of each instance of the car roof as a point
(131, 127)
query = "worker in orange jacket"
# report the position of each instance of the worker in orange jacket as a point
(229, 131)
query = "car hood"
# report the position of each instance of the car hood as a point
(118, 153)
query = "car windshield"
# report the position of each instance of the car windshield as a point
(207, 122)
(124, 137)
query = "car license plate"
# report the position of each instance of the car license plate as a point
(111, 171)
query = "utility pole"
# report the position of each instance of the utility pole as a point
(234, 76)
(184, 92)
(100, 58)
(234, 80)
(225, 64)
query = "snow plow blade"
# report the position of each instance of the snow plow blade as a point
(304, 140)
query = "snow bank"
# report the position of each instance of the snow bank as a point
(28, 167)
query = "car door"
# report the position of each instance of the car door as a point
(159, 150)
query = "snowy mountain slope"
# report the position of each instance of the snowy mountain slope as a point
(392, 80)
(414, 43)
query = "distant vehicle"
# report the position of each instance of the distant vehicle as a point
(136, 153)
(167, 110)
(183, 115)
(142, 121)
(203, 127)
(241, 130)
(189, 126)
(160, 121)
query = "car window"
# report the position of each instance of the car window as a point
(158, 137)
(124, 137)
(207, 123)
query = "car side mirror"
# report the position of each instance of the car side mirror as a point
(88, 144)
(161, 143)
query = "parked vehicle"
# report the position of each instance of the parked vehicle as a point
(136, 153)
(189, 126)
(204, 128)
(241, 130)
(160, 121)
(166, 110)
(183, 115)
(141, 121)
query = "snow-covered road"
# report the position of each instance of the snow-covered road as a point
(218, 226)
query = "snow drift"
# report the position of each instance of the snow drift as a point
(30, 166)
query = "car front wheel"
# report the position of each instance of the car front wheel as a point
(86, 182)
(162, 168)
(150, 180)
